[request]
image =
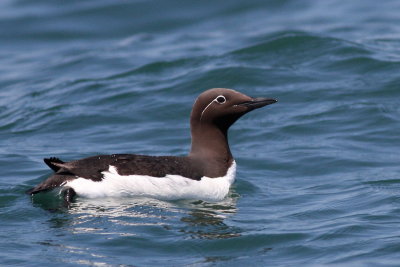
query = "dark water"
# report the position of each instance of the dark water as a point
(318, 179)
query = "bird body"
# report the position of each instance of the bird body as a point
(206, 173)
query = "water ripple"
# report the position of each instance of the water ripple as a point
(318, 172)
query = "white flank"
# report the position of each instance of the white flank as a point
(170, 187)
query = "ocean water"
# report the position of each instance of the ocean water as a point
(318, 179)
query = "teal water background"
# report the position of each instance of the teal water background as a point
(318, 179)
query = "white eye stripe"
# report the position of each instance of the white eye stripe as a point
(222, 101)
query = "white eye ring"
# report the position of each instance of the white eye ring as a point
(220, 99)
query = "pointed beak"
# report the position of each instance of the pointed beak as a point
(258, 102)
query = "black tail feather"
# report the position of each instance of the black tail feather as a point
(50, 162)
(50, 183)
(39, 188)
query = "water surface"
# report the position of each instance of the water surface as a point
(318, 173)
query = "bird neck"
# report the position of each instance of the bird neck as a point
(210, 142)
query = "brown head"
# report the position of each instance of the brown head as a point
(214, 111)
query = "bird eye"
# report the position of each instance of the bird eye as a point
(221, 99)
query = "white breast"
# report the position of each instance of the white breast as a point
(170, 187)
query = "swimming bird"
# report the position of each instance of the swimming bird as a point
(206, 173)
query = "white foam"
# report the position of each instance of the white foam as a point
(170, 187)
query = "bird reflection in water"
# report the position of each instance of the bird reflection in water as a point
(206, 220)
(133, 217)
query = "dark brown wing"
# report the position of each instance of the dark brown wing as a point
(126, 164)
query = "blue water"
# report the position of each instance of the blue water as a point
(318, 179)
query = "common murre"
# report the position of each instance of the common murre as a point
(206, 173)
